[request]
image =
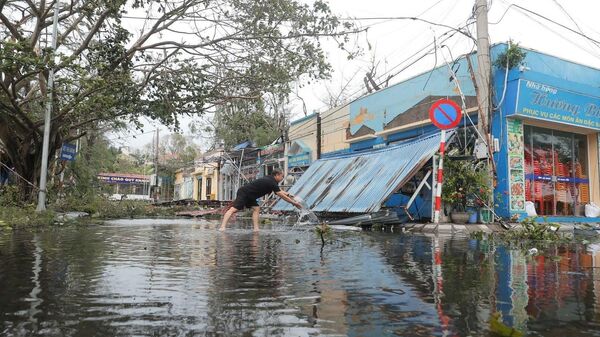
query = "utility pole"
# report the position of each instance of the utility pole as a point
(156, 154)
(155, 182)
(319, 140)
(482, 78)
(41, 206)
(484, 67)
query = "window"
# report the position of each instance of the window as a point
(556, 176)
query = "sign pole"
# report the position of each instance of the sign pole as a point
(445, 114)
(440, 179)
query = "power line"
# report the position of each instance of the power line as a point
(547, 19)
(401, 70)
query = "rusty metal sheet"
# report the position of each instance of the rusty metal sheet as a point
(361, 182)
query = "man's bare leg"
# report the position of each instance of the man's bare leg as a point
(255, 217)
(226, 218)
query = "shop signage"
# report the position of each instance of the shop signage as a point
(545, 102)
(68, 152)
(123, 179)
(299, 160)
(445, 114)
(271, 149)
(515, 165)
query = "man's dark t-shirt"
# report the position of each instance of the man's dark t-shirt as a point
(260, 187)
(247, 194)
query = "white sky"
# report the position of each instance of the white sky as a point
(394, 41)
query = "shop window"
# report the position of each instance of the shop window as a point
(556, 177)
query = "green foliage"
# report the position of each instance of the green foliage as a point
(107, 76)
(240, 120)
(532, 230)
(324, 232)
(477, 235)
(513, 54)
(176, 151)
(18, 217)
(10, 195)
(102, 208)
(464, 186)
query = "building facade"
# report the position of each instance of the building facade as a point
(545, 123)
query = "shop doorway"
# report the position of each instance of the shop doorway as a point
(556, 171)
(208, 188)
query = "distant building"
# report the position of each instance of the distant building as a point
(128, 186)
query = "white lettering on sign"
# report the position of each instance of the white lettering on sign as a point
(541, 87)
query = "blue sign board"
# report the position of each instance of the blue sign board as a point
(558, 179)
(546, 102)
(299, 160)
(68, 152)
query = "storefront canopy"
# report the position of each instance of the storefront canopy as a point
(360, 183)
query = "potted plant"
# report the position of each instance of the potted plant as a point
(465, 189)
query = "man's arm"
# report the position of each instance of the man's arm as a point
(286, 196)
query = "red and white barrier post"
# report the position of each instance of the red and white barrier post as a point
(445, 114)
(440, 179)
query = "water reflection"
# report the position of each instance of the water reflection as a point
(151, 278)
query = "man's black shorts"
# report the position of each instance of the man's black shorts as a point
(243, 201)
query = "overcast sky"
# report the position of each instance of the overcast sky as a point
(394, 44)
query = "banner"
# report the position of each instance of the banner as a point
(549, 103)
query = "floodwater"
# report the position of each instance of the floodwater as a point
(184, 278)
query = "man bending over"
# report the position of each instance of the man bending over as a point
(247, 195)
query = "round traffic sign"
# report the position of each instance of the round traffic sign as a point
(445, 114)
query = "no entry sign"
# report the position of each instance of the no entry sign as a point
(445, 114)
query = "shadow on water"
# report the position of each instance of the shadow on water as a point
(159, 278)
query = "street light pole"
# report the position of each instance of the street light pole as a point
(41, 206)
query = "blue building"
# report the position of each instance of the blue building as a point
(545, 119)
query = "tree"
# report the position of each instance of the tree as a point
(176, 151)
(184, 57)
(239, 121)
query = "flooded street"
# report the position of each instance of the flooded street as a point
(184, 278)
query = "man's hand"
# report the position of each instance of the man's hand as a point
(289, 198)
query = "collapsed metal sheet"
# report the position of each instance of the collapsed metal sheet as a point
(361, 182)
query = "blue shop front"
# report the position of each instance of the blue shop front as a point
(547, 122)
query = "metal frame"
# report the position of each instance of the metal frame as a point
(414, 196)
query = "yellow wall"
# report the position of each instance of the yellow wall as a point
(178, 177)
(333, 129)
(206, 170)
(305, 131)
(334, 123)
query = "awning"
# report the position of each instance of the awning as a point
(243, 145)
(360, 183)
(298, 147)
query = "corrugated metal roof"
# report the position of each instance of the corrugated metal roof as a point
(360, 183)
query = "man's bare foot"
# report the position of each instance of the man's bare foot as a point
(221, 228)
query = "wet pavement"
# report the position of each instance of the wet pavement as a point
(184, 278)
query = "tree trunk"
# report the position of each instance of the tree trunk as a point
(25, 153)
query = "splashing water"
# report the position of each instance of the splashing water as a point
(305, 215)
